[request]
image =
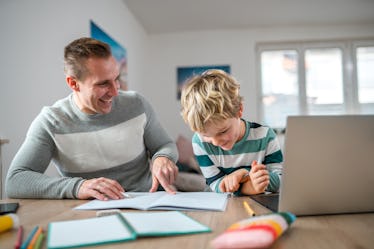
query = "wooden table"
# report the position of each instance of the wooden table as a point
(330, 231)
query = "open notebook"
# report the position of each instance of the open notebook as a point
(161, 200)
(328, 167)
(120, 228)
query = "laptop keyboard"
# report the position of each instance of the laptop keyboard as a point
(269, 201)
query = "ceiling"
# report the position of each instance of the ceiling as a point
(165, 16)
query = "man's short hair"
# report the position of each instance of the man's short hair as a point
(79, 51)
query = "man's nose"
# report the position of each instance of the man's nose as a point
(114, 87)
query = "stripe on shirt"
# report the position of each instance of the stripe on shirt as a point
(92, 153)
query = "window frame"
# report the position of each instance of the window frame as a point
(348, 47)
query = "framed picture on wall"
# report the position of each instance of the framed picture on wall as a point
(184, 73)
(118, 51)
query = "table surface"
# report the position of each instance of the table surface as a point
(327, 231)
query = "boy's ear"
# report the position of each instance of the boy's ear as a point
(240, 113)
(72, 83)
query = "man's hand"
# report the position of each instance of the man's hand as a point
(164, 172)
(101, 189)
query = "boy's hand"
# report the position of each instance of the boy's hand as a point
(259, 177)
(231, 182)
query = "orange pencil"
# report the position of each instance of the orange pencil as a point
(33, 240)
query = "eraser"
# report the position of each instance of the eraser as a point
(107, 212)
(255, 232)
(126, 195)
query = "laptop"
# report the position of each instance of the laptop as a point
(328, 166)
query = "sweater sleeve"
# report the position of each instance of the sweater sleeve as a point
(26, 178)
(156, 139)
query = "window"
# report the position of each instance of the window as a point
(315, 78)
(279, 86)
(365, 79)
(324, 81)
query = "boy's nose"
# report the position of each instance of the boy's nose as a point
(216, 142)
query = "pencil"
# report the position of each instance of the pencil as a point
(248, 209)
(39, 241)
(19, 237)
(34, 238)
(29, 238)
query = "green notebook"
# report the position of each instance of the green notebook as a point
(120, 228)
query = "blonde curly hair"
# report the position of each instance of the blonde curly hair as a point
(210, 97)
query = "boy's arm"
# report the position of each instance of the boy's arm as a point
(231, 182)
(273, 161)
(213, 175)
(275, 174)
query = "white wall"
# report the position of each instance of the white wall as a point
(33, 36)
(236, 47)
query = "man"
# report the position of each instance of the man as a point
(99, 138)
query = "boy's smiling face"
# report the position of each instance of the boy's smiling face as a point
(224, 134)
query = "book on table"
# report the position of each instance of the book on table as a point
(188, 201)
(120, 227)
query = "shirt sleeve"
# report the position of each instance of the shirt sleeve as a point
(213, 175)
(273, 161)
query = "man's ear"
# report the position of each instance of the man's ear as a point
(72, 83)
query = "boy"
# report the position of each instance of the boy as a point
(234, 155)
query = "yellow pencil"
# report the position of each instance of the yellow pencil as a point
(248, 209)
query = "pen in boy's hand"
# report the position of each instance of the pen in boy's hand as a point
(257, 162)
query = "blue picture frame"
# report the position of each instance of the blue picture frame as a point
(118, 51)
